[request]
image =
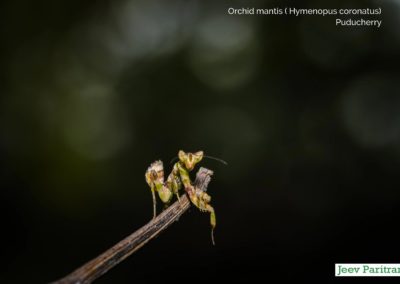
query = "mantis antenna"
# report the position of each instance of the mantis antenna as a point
(174, 159)
(216, 159)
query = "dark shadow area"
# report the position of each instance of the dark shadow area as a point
(305, 112)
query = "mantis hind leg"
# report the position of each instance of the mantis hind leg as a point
(201, 200)
(213, 221)
(155, 179)
(154, 203)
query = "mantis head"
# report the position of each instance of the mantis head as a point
(190, 159)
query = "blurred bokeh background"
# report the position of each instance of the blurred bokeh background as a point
(307, 115)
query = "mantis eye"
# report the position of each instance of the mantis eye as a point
(199, 155)
(182, 156)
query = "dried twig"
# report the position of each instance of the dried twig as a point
(93, 269)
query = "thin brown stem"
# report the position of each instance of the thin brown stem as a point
(93, 269)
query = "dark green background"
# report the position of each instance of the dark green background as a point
(307, 115)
